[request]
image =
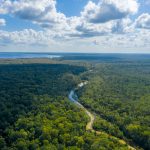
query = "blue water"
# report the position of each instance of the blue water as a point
(27, 55)
(79, 56)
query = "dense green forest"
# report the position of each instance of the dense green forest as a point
(119, 95)
(35, 112)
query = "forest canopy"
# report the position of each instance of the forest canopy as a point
(35, 112)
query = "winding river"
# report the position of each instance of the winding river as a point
(73, 97)
(89, 127)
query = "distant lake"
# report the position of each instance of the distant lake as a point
(101, 57)
(28, 55)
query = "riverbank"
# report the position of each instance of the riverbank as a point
(89, 127)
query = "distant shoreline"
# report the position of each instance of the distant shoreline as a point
(105, 57)
(11, 55)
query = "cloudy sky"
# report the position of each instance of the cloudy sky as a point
(75, 26)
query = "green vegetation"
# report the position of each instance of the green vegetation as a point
(36, 114)
(119, 94)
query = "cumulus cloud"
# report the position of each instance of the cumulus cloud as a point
(33, 40)
(143, 21)
(106, 17)
(107, 10)
(97, 22)
(86, 29)
(45, 14)
(42, 12)
(26, 36)
(4, 6)
(2, 22)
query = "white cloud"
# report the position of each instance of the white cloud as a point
(86, 29)
(42, 12)
(32, 40)
(107, 23)
(26, 36)
(5, 6)
(107, 10)
(143, 21)
(2, 22)
(108, 16)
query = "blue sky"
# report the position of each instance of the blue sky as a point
(100, 26)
